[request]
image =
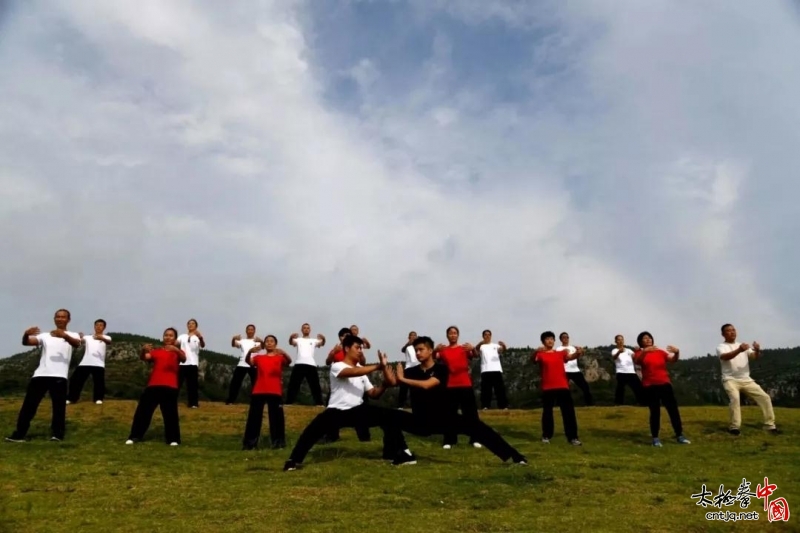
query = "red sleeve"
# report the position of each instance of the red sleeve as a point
(637, 356)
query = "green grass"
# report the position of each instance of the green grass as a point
(615, 482)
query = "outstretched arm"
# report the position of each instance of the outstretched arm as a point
(674, 352)
(733, 353)
(292, 339)
(321, 339)
(29, 337)
(144, 353)
(235, 341)
(416, 383)
(61, 334)
(358, 371)
(173, 348)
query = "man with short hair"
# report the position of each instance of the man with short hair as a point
(555, 388)
(346, 408)
(243, 369)
(491, 371)
(49, 377)
(625, 372)
(305, 366)
(735, 362)
(93, 364)
(572, 369)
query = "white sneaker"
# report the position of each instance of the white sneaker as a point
(173, 443)
(477, 445)
(129, 441)
(99, 402)
(68, 402)
(446, 447)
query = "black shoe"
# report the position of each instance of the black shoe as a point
(290, 465)
(247, 447)
(404, 458)
(56, 439)
(520, 460)
(15, 438)
(734, 431)
(774, 431)
(278, 445)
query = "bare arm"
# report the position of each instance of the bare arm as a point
(733, 353)
(502, 348)
(29, 337)
(321, 338)
(367, 344)
(674, 354)
(292, 339)
(173, 348)
(144, 353)
(235, 341)
(201, 339)
(357, 371)
(69, 339)
(573, 356)
(329, 360)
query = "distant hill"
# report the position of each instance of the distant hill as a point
(696, 381)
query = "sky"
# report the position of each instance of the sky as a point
(596, 166)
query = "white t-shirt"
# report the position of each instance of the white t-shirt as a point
(739, 366)
(346, 393)
(624, 362)
(411, 357)
(569, 366)
(490, 358)
(191, 347)
(56, 355)
(95, 354)
(245, 345)
(305, 350)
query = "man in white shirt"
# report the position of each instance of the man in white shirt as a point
(491, 371)
(346, 408)
(572, 369)
(93, 364)
(411, 361)
(50, 376)
(625, 372)
(305, 366)
(735, 362)
(191, 343)
(243, 369)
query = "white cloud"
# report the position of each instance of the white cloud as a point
(195, 168)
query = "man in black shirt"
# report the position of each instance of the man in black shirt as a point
(427, 384)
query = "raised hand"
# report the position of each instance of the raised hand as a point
(237, 337)
(756, 346)
(672, 349)
(32, 331)
(80, 334)
(320, 337)
(382, 359)
(744, 347)
(258, 339)
(59, 333)
(502, 345)
(198, 334)
(440, 347)
(400, 371)
(467, 346)
(293, 336)
(148, 347)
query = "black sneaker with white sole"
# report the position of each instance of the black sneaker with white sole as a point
(404, 458)
(15, 438)
(290, 465)
(734, 431)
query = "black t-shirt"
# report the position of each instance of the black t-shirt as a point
(430, 405)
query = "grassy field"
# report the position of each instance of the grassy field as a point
(615, 482)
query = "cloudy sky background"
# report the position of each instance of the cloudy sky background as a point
(595, 166)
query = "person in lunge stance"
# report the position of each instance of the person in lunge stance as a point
(574, 373)
(93, 364)
(459, 385)
(430, 414)
(411, 361)
(657, 388)
(243, 370)
(347, 408)
(49, 377)
(336, 355)
(625, 372)
(491, 371)
(268, 390)
(555, 388)
(734, 359)
(190, 344)
(305, 367)
(161, 390)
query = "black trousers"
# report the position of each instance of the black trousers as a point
(364, 415)
(37, 388)
(628, 380)
(189, 373)
(492, 382)
(474, 428)
(300, 373)
(239, 373)
(461, 398)
(402, 395)
(255, 417)
(78, 379)
(656, 396)
(167, 399)
(578, 379)
(562, 398)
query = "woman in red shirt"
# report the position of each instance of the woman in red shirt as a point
(459, 384)
(656, 385)
(161, 390)
(267, 390)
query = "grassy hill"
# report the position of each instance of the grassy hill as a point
(615, 482)
(696, 381)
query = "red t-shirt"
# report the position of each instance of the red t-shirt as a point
(455, 357)
(166, 365)
(554, 376)
(338, 357)
(269, 376)
(654, 367)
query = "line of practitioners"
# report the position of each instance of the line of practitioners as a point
(438, 383)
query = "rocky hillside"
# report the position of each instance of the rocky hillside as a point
(697, 381)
